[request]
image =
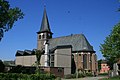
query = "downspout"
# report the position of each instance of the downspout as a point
(46, 54)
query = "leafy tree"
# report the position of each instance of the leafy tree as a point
(111, 46)
(2, 66)
(8, 16)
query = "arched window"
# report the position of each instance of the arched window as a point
(85, 61)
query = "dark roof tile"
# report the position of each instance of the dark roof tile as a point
(78, 42)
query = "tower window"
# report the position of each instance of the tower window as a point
(39, 36)
(48, 36)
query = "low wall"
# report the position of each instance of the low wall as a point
(57, 71)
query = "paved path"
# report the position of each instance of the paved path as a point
(89, 78)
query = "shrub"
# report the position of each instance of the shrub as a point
(80, 75)
(58, 78)
(69, 76)
(89, 74)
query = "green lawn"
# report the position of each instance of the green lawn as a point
(113, 78)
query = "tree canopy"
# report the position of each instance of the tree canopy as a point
(111, 46)
(38, 54)
(2, 66)
(8, 16)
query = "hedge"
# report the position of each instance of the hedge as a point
(16, 76)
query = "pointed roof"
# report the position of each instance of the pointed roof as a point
(77, 41)
(45, 27)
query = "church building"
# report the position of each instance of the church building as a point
(72, 52)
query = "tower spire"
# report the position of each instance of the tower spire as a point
(45, 27)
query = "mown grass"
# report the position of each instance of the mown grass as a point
(112, 78)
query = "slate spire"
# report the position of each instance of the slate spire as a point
(45, 27)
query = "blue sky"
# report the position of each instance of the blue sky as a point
(94, 18)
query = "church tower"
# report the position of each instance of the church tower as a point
(45, 33)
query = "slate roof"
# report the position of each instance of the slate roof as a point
(45, 27)
(77, 41)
